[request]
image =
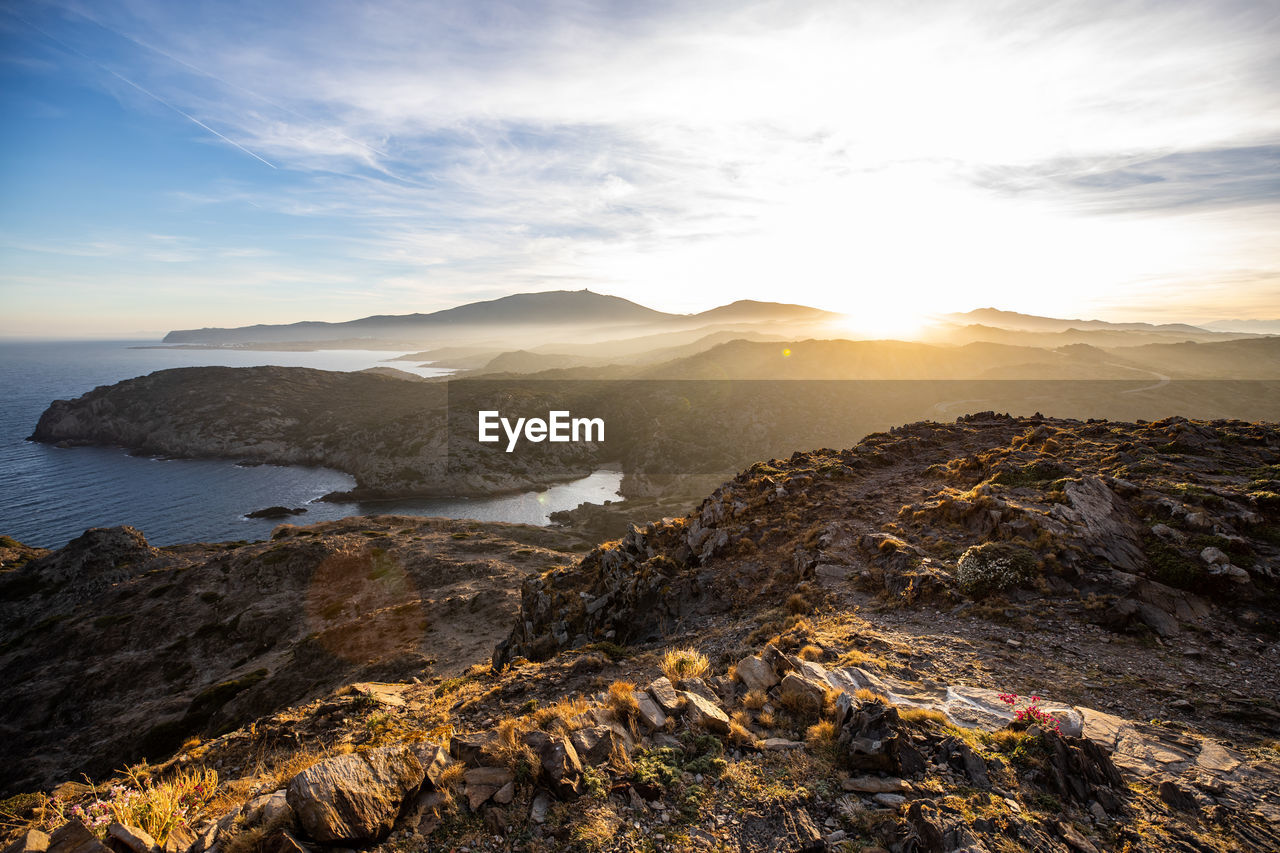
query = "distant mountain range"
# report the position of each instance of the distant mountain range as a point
(557, 311)
(578, 328)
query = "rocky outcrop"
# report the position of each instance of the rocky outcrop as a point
(355, 798)
(392, 436)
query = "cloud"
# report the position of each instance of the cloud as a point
(682, 151)
(1183, 180)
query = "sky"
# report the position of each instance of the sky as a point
(179, 165)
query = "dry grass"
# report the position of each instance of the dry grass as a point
(755, 700)
(597, 827)
(821, 735)
(797, 604)
(865, 695)
(921, 715)
(679, 664)
(801, 706)
(508, 747)
(811, 652)
(562, 716)
(622, 701)
(449, 785)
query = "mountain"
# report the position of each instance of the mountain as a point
(764, 312)
(1032, 323)
(551, 309)
(529, 317)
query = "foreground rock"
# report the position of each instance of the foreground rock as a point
(355, 798)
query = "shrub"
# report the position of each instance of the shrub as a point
(797, 604)
(678, 664)
(622, 701)
(994, 567)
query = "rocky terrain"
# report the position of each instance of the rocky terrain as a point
(114, 651)
(834, 651)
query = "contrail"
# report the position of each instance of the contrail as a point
(149, 94)
(183, 114)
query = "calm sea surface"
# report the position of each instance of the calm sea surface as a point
(52, 495)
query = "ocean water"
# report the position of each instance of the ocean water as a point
(51, 495)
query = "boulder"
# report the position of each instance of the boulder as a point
(559, 761)
(485, 782)
(74, 837)
(665, 695)
(181, 840)
(267, 808)
(124, 838)
(597, 744)
(469, 749)
(433, 759)
(706, 713)
(648, 711)
(755, 673)
(355, 798)
(803, 689)
(31, 841)
(697, 685)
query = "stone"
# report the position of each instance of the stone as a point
(355, 798)
(284, 841)
(74, 837)
(664, 693)
(597, 744)
(124, 838)
(755, 674)
(559, 761)
(1200, 520)
(1214, 556)
(974, 767)
(495, 776)
(874, 785)
(780, 744)
(504, 795)
(265, 809)
(803, 689)
(697, 685)
(180, 840)
(648, 711)
(1171, 795)
(469, 749)
(31, 841)
(890, 800)
(1075, 840)
(539, 808)
(705, 713)
(433, 758)
(1230, 572)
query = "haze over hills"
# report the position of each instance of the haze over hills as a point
(595, 328)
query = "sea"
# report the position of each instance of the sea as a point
(50, 495)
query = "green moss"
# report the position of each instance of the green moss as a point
(1029, 475)
(1168, 565)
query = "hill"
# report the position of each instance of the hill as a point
(557, 308)
(831, 649)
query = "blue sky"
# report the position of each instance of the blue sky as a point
(173, 165)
